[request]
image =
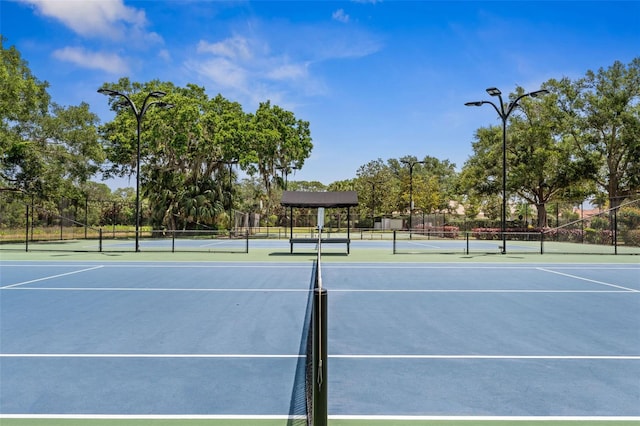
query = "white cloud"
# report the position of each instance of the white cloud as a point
(108, 62)
(222, 72)
(277, 64)
(164, 55)
(288, 72)
(340, 16)
(241, 59)
(98, 19)
(232, 48)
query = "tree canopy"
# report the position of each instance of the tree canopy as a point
(188, 153)
(580, 141)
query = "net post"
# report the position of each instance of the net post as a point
(541, 242)
(246, 248)
(100, 240)
(467, 238)
(320, 397)
(394, 240)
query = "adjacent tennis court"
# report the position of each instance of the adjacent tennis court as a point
(224, 342)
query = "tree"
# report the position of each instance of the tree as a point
(188, 153)
(431, 183)
(541, 165)
(24, 101)
(48, 150)
(277, 139)
(600, 115)
(377, 188)
(182, 166)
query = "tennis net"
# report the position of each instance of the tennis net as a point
(316, 349)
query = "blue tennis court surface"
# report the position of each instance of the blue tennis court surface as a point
(408, 340)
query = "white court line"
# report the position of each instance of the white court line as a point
(357, 265)
(354, 356)
(494, 357)
(469, 291)
(458, 266)
(201, 265)
(249, 356)
(154, 416)
(423, 245)
(487, 418)
(307, 290)
(51, 277)
(331, 417)
(247, 290)
(587, 279)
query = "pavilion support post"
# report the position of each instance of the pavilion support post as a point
(291, 227)
(348, 229)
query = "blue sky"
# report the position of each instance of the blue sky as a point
(375, 79)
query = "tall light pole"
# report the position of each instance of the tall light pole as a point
(504, 111)
(139, 113)
(411, 164)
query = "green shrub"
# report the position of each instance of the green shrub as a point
(600, 222)
(632, 237)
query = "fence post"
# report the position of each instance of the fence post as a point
(86, 216)
(615, 231)
(394, 241)
(26, 238)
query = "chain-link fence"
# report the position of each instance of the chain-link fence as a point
(612, 231)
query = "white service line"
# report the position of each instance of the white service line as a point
(488, 418)
(356, 417)
(159, 289)
(586, 279)
(506, 290)
(491, 357)
(54, 355)
(52, 276)
(352, 356)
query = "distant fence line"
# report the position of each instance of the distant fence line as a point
(32, 227)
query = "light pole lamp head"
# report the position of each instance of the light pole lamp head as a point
(164, 105)
(538, 93)
(157, 94)
(477, 103)
(494, 91)
(108, 92)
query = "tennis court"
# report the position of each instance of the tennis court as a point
(223, 342)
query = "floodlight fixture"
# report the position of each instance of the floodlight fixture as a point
(108, 92)
(494, 91)
(538, 93)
